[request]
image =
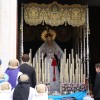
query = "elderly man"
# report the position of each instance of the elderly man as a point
(23, 91)
(13, 72)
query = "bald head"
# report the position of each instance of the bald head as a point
(13, 62)
(5, 86)
(24, 78)
(41, 88)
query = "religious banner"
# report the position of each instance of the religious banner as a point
(54, 14)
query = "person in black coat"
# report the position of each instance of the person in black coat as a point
(96, 89)
(25, 68)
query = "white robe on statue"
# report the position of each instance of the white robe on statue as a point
(50, 59)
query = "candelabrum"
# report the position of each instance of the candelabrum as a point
(68, 88)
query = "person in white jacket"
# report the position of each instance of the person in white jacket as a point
(88, 97)
(23, 91)
(5, 91)
(41, 92)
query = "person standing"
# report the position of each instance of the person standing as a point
(25, 68)
(96, 89)
(13, 72)
(5, 91)
(23, 91)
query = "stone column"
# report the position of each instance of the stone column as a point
(8, 31)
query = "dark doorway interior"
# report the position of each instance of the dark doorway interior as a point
(94, 41)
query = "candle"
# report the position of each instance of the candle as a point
(81, 73)
(37, 72)
(68, 69)
(43, 73)
(79, 70)
(45, 70)
(69, 61)
(40, 76)
(77, 73)
(71, 74)
(48, 73)
(61, 72)
(42, 58)
(66, 73)
(72, 53)
(33, 62)
(73, 69)
(65, 54)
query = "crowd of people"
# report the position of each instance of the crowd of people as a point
(18, 82)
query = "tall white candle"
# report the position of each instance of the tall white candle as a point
(84, 73)
(43, 73)
(48, 72)
(66, 73)
(71, 74)
(61, 80)
(77, 73)
(68, 69)
(45, 70)
(40, 76)
(81, 73)
(79, 70)
(65, 54)
(33, 63)
(73, 69)
(42, 58)
(69, 65)
(72, 53)
(37, 72)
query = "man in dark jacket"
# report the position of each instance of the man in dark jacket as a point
(96, 89)
(25, 68)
